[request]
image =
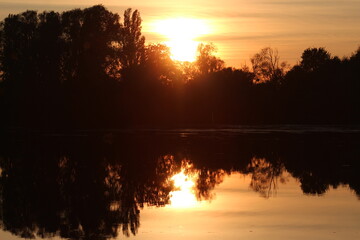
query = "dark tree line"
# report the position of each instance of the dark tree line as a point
(61, 70)
(90, 69)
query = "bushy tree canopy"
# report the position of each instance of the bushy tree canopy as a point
(87, 68)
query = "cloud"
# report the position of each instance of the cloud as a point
(261, 36)
(311, 3)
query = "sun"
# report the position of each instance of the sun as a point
(181, 35)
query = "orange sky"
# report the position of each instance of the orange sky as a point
(240, 28)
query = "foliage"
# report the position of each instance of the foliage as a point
(131, 40)
(314, 58)
(206, 62)
(267, 66)
(85, 69)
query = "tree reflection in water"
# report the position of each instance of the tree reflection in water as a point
(88, 188)
(266, 175)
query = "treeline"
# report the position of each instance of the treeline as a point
(90, 69)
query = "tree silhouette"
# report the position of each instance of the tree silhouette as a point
(84, 69)
(206, 62)
(89, 35)
(313, 58)
(159, 66)
(130, 39)
(267, 66)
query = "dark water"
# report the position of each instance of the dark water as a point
(253, 183)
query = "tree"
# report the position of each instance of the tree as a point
(313, 58)
(159, 64)
(355, 57)
(1, 51)
(206, 62)
(267, 66)
(131, 42)
(19, 61)
(89, 35)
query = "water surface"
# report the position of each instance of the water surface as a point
(252, 183)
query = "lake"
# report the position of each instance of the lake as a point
(267, 182)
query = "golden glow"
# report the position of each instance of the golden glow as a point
(181, 34)
(184, 196)
(183, 50)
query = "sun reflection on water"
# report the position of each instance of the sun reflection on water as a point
(191, 187)
(183, 196)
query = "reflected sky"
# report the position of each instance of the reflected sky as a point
(238, 212)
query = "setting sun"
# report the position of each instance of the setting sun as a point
(181, 34)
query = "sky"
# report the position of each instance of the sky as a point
(239, 28)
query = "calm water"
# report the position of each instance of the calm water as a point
(243, 183)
